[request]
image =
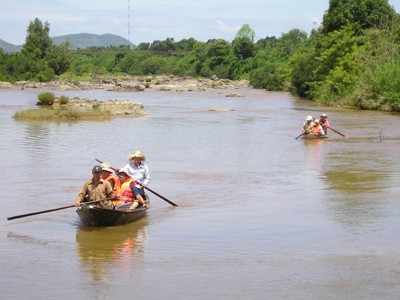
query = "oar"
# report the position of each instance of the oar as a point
(306, 132)
(145, 187)
(54, 209)
(162, 197)
(337, 132)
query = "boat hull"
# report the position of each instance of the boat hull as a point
(95, 216)
(314, 137)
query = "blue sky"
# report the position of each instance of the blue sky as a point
(151, 20)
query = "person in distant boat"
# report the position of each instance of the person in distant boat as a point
(138, 170)
(324, 123)
(107, 174)
(307, 126)
(95, 189)
(129, 197)
(317, 129)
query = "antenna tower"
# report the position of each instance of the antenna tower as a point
(129, 19)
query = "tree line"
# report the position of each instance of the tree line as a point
(351, 59)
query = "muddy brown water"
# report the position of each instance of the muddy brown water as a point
(261, 215)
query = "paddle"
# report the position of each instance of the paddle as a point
(337, 132)
(299, 135)
(54, 209)
(162, 197)
(145, 187)
(306, 132)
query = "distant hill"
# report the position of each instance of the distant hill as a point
(77, 41)
(7, 47)
(85, 40)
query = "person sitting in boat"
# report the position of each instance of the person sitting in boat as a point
(317, 129)
(138, 171)
(323, 121)
(95, 189)
(307, 126)
(129, 197)
(108, 175)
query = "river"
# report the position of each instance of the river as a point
(261, 215)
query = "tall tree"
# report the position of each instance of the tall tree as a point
(364, 13)
(38, 42)
(245, 32)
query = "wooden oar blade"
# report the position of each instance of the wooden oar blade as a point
(298, 136)
(39, 212)
(55, 209)
(162, 197)
(339, 133)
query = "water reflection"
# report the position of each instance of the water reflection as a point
(354, 172)
(314, 143)
(356, 184)
(103, 252)
(36, 139)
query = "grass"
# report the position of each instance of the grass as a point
(73, 77)
(61, 115)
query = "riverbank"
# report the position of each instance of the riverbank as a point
(129, 84)
(132, 84)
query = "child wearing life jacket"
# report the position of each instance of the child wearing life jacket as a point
(317, 129)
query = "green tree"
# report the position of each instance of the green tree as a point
(364, 13)
(289, 41)
(151, 65)
(245, 32)
(143, 46)
(217, 51)
(186, 45)
(37, 42)
(243, 47)
(165, 46)
(269, 67)
(59, 58)
(39, 58)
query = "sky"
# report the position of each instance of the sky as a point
(150, 20)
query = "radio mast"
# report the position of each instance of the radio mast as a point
(129, 20)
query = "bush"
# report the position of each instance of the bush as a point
(46, 98)
(64, 100)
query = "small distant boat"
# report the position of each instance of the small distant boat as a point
(314, 137)
(96, 216)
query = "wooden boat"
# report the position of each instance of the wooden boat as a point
(314, 137)
(96, 216)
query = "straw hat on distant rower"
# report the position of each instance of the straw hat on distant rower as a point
(137, 154)
(106, 167)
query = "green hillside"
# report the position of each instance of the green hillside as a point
(85, 40)
(7, 47)
(77, 41)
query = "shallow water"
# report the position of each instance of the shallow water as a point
(261, 215)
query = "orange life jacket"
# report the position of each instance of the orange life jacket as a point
(317, 130)
(115, 184)
(126, 195)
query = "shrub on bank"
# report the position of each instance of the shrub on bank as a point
(46, 98)
(64, 100)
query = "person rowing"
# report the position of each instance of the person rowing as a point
(323, 121)
(317, 129)
(307, 126)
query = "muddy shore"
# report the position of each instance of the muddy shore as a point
(131, 84)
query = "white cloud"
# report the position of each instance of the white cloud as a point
(221, 26)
